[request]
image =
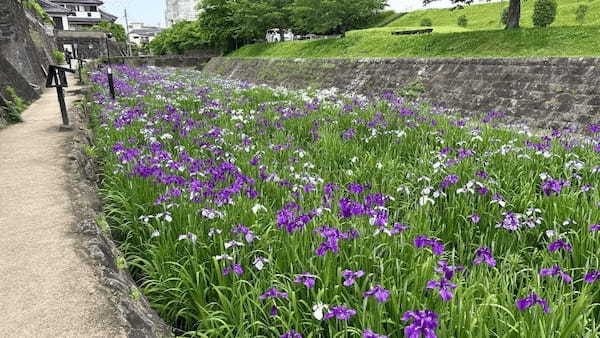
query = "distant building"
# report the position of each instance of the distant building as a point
(180, 10)
(140, 34)
(76, 14)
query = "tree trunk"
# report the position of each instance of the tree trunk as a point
(514, 14)
(281, 35)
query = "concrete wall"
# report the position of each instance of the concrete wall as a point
(541, 92)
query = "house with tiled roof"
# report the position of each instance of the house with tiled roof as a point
(76, 14)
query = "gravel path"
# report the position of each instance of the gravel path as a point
(47, 286)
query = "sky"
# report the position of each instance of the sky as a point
(151, 12)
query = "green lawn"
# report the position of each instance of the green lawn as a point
(553, 41)
(483, 37)
(487, 16)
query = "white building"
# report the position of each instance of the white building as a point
(140, 34)
(76, 14)
(180, 10)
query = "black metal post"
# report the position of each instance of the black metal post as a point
(111, 84)
(80, 64)
(63, 106)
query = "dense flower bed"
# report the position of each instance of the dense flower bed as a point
(246, 211)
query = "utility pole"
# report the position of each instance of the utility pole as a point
(127, 27)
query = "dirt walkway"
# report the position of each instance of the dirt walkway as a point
(47, 288)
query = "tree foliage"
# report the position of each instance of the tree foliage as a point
(334, 16)
(182, 36)
(115, 29)
(228, 24)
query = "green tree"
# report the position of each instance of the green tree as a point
(216, 20)
(116, 30)
(182, 36)
(339, 16)
(513, 16)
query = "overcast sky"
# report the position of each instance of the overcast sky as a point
(151, 12)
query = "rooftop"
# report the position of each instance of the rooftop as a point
(52, 8)
(79, 2)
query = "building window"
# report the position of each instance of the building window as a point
(58, 23)
(91, 8)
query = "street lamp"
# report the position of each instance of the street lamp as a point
(111, 84)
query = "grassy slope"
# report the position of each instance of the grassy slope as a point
(487, 16)
(555, 41)
(484, 37)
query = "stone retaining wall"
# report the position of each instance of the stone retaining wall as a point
(24, 41)
(196, 62)
(91, 44)
(544, 92)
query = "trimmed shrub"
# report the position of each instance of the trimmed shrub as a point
(426, 22)
(462, 21)
(58, 57)
(544, 13)
(580, 13)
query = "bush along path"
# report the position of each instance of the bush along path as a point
(245, 211)
(48, 288)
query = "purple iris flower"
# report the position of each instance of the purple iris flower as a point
(291, 334)
(436, 245)
(348, 134)
(351, 276)
(424, 323)
(559, 244)
(448, 181)
(307, 279)
(332, 237)
(273, 293)
(532, 300)
(243, 230)
(447, 270)
(556, 271)
(510, 222)
(236, 268)
(368, 333)
(594, 227)
(350, 208)
(554, 186)
(444, 286)
(291, 218)
(379, 217)
(592, 276)
(340, 313)
(379, 293)
(482, 174)
(474, 217)
(484, 254)
(357, 188)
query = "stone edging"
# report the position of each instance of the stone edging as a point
(136, 316)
